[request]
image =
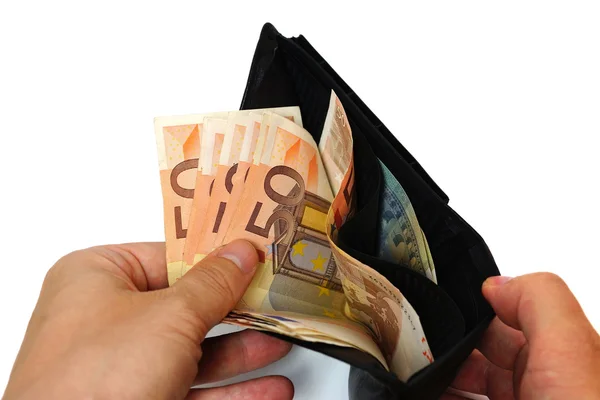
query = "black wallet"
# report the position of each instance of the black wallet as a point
(454, 314)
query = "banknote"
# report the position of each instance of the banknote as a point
(178, 142)
(401, 239)
(282, 212)
(336, 144)
(213, 139)
(337, 152)
(249, 127)
(371, 298)
(394, 323)
(289, 167)
(339, 332)
(219, 172)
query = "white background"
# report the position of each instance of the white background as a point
(498, 101)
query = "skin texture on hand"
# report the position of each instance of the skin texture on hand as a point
(540, 345)
(106, 326)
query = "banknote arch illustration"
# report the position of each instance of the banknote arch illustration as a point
(346, 222)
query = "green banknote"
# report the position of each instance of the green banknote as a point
(401, 239)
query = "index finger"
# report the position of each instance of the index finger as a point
(143, 263)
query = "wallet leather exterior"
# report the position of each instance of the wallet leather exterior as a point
(454, 314)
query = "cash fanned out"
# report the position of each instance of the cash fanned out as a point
(258, 175)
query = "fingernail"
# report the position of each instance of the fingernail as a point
(241, 253)
(497, 280)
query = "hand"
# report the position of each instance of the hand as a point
(107, 327)
(540, 345)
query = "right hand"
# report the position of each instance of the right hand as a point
(540, 345)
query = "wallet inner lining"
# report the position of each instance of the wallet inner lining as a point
(448, 239)
(444, 324)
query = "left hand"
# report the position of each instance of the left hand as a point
(106, 326)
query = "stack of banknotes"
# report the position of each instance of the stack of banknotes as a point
(259, 175)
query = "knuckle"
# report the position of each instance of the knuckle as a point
(53, 273)
(550, 278)
(62, 266)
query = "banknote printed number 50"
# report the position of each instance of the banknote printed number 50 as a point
(292, 199)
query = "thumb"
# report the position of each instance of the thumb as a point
(535, 304)
(214, 286)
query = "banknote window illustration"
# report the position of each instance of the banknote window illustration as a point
(307, 255)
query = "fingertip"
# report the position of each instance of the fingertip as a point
(491, 284)
(265, 388)
(273, 387)
(284, 347)
(494, 281)
(285, 390)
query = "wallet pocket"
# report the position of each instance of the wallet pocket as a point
(440, 317)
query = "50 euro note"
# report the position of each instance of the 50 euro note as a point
(208, 169)
(281, 211)
(221, 175)
(178, 140)
(210, 205)
(243, 131)
(371, 298)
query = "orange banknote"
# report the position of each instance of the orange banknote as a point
(282, 211)
(178, 143)
(239, 171)
(371, 298)
(289, 167)
(220, 179)
(208, 168)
